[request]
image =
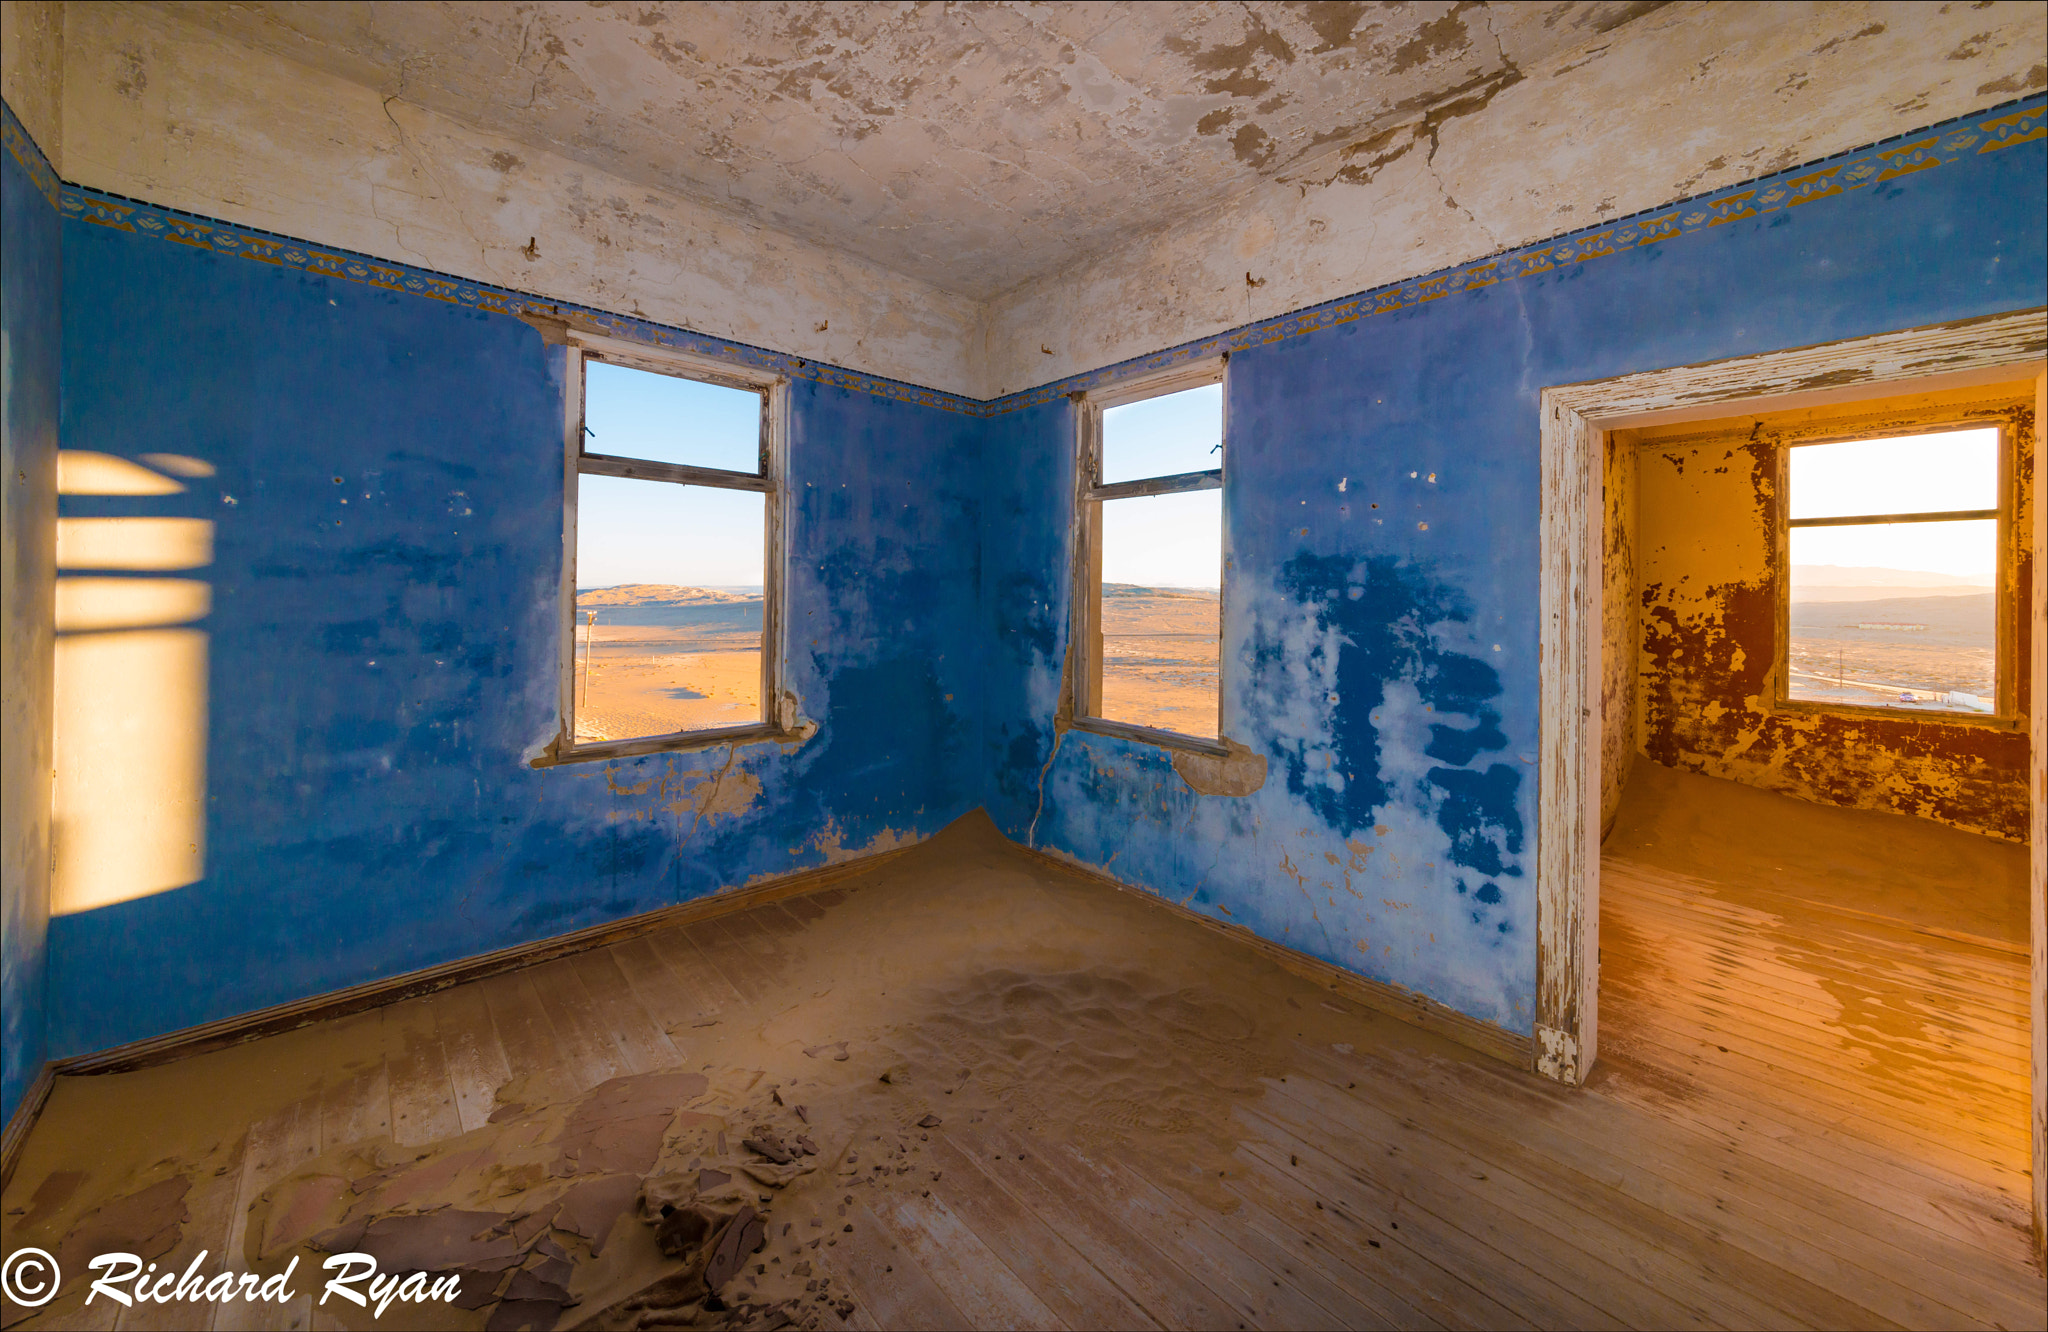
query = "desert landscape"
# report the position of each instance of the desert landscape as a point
(1159, 655)
(1892, 638)
(662, 658)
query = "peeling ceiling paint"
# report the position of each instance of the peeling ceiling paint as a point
(975, 146)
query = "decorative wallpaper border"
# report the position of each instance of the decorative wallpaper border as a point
(2018, 122)
(1938, 145)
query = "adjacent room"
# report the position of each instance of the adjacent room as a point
(1058, 665)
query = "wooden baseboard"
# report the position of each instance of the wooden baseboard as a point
(1395, 1002)
(23, 1119)
(1392, 1000)
(375, 994)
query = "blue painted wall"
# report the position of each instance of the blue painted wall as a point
(1380, 619)
(380, 667)
(30, 326)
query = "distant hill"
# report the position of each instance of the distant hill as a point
(647, 605)
(1181, 593)
(657, 594)
(1960, 619)
(1840, 582)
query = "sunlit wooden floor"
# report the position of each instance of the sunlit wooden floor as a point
(1799, 1120)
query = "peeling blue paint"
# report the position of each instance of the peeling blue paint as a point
(1381, 632)
(377, 675)
(379, 671)
(1381, 616)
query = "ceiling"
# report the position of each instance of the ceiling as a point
(974, 146)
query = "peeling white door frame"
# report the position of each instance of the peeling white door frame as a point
(1576, 417)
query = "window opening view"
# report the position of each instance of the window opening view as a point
(1156, 523)
(1893, 549)
(671, 550)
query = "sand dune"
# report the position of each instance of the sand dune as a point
(663, 658)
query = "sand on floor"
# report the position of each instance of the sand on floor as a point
(1719, 831)
(956, 984)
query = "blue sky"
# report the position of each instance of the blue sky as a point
(1164, 436)
(696, 536)
(631, 413)
(654, 531)
(1164, 540)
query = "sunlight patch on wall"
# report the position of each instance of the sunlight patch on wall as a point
(131, 690)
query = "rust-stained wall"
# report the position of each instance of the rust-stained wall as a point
(1708, 509)
(1620, 628)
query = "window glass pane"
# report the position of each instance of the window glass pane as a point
(1162, 562)
(630, 413)
(1937, 473)
(673, 575)
(1164, 436)
(1895, 615)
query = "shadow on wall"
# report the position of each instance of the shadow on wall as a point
(131, 684)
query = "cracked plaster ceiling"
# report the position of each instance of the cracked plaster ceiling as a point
(975, 146)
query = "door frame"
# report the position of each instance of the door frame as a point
(1575, 420)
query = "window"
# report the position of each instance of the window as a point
(1893, 549)
(1149, 569)
(672, 554)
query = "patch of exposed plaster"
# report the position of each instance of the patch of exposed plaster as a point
(1237, 773)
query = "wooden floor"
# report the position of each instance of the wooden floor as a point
(1799, 1121)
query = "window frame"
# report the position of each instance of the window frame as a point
(778, 721)
(1933, 419)
(1084, 687)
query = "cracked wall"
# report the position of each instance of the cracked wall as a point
(1707, 652)
(181, 116)
(1380, 624)
(378, 671)
(928, 596)
(982, 199)
(976, 145)
(1689, 98)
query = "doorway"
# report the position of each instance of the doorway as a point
(1582, 750)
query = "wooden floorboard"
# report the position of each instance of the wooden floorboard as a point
(424, 1106)
(1704, 1005)
(1643, 1273)
(1071, 1287)
(1801, 1119)
(1144, 1276)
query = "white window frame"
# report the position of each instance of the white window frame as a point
(1084, 693)
(778, 720)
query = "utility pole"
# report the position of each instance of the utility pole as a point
(589, 631)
